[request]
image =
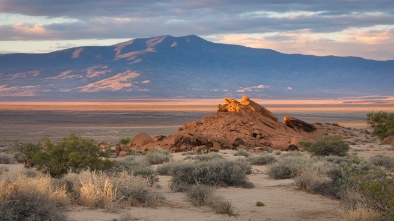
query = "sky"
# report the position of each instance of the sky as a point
(362, 28)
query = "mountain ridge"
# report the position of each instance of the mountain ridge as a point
(187, 67)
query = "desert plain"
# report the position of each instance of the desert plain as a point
(109, 122)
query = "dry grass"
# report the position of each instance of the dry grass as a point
(362, 213)
(98, 190)
(27, 198)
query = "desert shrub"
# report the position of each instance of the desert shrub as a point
(199, 194)
(158, 156)
(278, 152)
(291, 154)
(212, 173)
(137, 166)
(5, 159)
(24, 198)
(170, 168)
(327, 145)
(362, 213)
(72, 153)
(24, 152)
(267, 149)
(208, 157)
(220, 205)
(383, 161)
(242, 152)
(335, 159)
(125, 140)
(382, 123)
(314, 182)
(288, 167)
(262, 160)
(98, 190)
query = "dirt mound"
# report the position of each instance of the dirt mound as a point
(243, 124)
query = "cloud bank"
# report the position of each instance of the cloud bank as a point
(341, 27)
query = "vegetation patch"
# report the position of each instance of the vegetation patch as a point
(262, 159)
(382, 123)
(326, 145)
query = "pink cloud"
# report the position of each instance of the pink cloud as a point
(18, 91)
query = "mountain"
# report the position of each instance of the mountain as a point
(189, 67)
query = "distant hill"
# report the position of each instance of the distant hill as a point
(189, 67)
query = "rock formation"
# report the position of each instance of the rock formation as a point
(243, 124)
(298, 124)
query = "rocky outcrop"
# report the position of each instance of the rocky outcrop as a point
(243, 124)
(298, 124)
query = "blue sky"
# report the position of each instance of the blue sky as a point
(361, 28)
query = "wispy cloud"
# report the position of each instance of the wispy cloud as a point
(28, 74)
(64, 75)
(257, 88)
(18, 91)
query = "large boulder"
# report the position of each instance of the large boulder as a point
(141, 139)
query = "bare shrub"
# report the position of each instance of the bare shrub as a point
(24, 198)
(262, 159)
(209, 157)
(199, 194)
(242, 152)
(158, 156)
(5, 159)
(137, 166)
(220, 205)
(383, 161)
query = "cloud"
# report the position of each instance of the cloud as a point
(114, 83)
(28, 74)
(257, 88)
(18, 91)
(64, 75)
(275, 20)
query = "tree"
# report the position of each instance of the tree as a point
(382, 123)
(72, 153)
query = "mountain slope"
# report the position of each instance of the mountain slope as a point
(189, 66)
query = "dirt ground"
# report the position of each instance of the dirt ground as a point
(283, 200)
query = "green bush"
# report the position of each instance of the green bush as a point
(72, 153)
(211, 173)
(327, 145)
(125, 140)
(262, 160)
(382, 123)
